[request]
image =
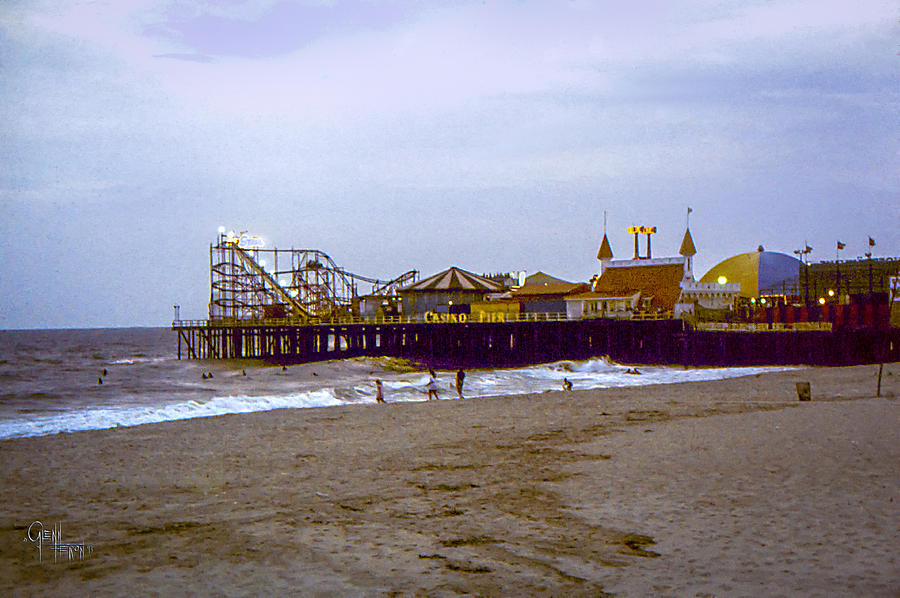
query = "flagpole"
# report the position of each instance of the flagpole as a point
(837, 267)
(869, 258)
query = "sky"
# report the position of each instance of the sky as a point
(489, 135)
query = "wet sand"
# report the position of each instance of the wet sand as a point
(726, 488)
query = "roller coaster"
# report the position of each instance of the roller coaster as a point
(299, 284)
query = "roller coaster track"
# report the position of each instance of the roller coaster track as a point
(268, 280)
(314, 287)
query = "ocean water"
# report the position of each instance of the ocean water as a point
(53, 381)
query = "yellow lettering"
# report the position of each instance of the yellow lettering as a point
(642, 230)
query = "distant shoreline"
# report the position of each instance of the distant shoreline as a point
(168, 327)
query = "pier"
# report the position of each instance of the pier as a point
(298, 306)
(505, 344)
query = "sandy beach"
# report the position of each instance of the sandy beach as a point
(725, 488)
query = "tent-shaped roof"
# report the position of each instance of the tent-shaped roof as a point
(543, 285)
(541, 278)
(662, 283)
(455, 279)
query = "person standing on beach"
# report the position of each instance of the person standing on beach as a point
(379, 393)
(460, 378)
(432, 385)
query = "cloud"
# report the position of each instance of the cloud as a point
(270, 29)
(333, 122)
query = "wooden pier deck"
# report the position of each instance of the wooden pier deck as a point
(500, 344)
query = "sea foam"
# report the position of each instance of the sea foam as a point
(408, 387)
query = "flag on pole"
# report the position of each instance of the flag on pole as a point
(690, 210)
(871, 242)
(808, 249)
(841, 245)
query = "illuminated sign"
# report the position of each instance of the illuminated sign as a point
(439, 318)
(642, 230)
(446, 318)
(251, 242)
(244, 240)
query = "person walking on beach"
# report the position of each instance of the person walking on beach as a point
(460, 378)
(379, 393)
(432, 385)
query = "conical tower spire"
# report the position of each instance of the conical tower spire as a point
(687, 245)
(605, 252)
(688, 251)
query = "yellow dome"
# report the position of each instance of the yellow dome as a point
(759, 272)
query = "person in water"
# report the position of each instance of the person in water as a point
(460, 378)
(432, 386)
(379, 392)
(567, 384)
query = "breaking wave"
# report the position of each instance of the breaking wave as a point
(351, 389)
